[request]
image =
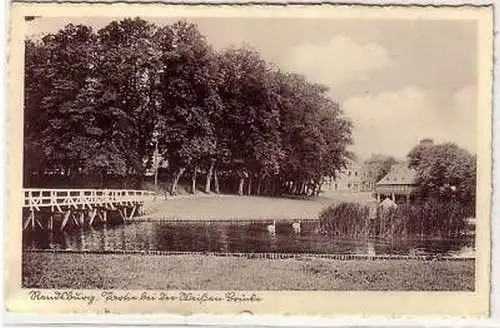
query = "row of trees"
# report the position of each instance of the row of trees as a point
(97, 104)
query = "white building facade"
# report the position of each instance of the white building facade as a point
(355, 178)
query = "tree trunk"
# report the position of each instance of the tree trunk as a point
(101, 179)
(209, 176)
(272, 184)
(216, 182)
(276, 186)
(178, 175)
(299, 188)
(240, 188)
(259, 186)
(193, 180)
(249, 187)
(73, 179)
(266, 186)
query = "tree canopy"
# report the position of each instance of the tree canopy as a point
(445, 171)
(378, 165)
(99, 102)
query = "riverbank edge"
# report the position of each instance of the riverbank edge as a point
(198, 272)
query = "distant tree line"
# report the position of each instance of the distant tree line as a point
(97, 104)
(378, 166)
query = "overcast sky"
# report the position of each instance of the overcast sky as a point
(398, 80)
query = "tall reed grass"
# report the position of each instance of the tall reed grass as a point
(432, 218)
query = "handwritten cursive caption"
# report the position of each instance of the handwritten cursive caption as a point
(149, 296)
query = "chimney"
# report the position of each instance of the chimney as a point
(427, 142)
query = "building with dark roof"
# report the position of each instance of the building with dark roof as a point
(401, 180)
(398, 184)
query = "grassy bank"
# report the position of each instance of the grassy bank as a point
(209, 207)
(44, 270)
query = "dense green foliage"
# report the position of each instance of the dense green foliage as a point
(98, 103)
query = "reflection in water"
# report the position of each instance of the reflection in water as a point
(370, 248)
(231, 237)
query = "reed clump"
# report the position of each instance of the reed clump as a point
(431, 218)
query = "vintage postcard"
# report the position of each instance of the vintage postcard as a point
(217, 159)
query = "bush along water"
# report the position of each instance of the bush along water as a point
(431, 218)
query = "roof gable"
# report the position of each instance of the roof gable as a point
(400, 174)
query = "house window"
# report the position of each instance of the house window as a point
(355, 173)
(348, 173)
(348, 185)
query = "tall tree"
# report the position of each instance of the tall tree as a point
(445, 171)
(57, 69)
(127, 71)
(188, 97)
(315, 134)
(250, 122)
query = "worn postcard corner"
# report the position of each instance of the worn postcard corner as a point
(249, 159)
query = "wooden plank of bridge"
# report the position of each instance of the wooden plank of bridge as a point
(104, 216)
(37, 221)
(66, 218)
(134, 208)
(92, 216)
(29, 220)
(123, 213)
(76, 220)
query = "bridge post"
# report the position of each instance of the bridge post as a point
(50, 225)
(82, 218)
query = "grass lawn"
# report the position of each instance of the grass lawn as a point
(57, 270)
(224, 207)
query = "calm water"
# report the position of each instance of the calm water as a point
(227, 237)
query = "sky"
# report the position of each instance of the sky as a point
(399, 81)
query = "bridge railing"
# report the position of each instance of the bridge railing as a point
(36, 198)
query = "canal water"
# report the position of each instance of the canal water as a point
(230, 237)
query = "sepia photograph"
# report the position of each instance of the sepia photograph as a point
(253, 153)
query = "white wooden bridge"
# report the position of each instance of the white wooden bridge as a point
(42, 207)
